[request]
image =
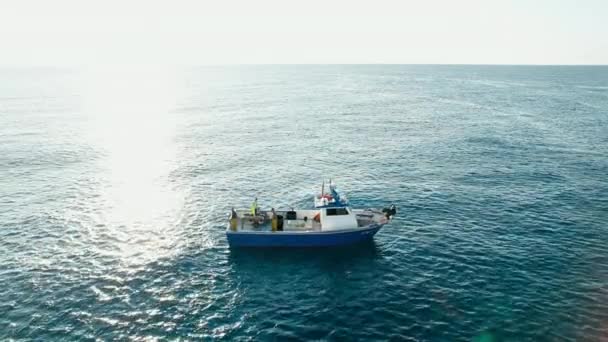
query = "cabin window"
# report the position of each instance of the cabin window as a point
(337, 211)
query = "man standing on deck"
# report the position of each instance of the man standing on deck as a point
(254, 207)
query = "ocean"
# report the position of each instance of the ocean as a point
(116, 184)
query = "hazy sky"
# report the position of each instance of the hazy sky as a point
(63, 32)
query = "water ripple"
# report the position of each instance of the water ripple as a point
(114, 198)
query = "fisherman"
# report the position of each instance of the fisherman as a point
(233, 214)
(273, 220)
(254, 207)
(233, 219)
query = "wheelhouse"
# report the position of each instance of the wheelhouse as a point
(336, 218)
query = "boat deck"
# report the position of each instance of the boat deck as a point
(263, 223)
(304, 221)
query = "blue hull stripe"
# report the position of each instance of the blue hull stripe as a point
(281, 239)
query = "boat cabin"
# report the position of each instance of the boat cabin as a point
(336, 218)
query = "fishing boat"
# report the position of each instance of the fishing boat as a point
(332, 222)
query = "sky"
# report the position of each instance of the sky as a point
(70, 33)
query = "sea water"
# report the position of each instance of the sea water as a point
(116, 184)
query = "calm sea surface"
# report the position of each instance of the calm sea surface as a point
(115, 187)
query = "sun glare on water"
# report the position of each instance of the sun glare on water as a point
(132, 127)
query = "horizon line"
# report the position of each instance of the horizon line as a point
(135, 65)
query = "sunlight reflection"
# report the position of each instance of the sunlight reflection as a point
(132, 127)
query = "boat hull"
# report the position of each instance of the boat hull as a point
(302, 239)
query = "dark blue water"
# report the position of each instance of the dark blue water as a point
(115, 187)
